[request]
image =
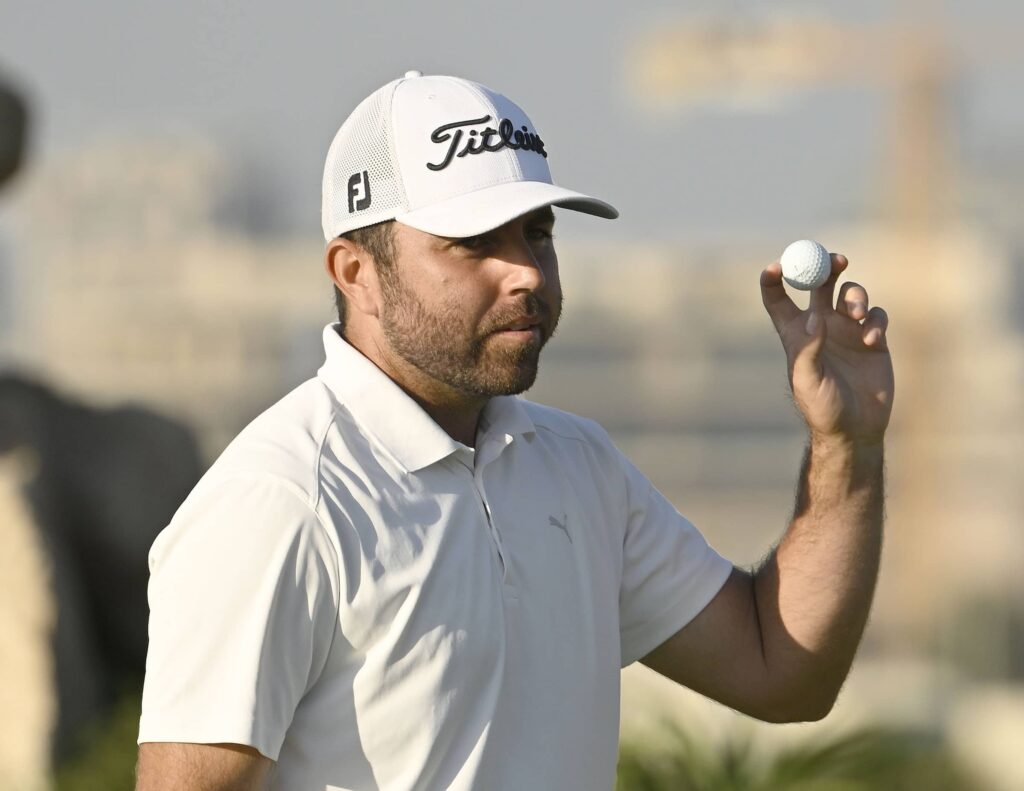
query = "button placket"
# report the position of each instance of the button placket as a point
(487, 453)
(476, 480)
(478, 484)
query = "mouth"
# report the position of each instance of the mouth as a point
(522, 329)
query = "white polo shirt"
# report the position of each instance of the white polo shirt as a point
(374, 605)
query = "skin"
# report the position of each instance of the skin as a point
(170, 766)
(776, 642)
(434, 324)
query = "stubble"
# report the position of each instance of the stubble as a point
(440, 343)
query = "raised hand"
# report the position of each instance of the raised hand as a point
(840, 369)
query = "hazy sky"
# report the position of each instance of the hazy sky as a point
(269, 83)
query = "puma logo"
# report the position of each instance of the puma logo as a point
(561, 525)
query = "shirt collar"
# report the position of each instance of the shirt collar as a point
(505, 418)
(394, 419)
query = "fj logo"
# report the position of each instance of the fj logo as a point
(359, 192)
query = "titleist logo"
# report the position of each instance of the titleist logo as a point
(479, 141)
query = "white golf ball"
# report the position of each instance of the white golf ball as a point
(805, 265)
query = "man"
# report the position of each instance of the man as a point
(403, 577)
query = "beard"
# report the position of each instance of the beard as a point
(441, 343)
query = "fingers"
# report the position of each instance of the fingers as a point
(849, 322)
(853, 301)
(806, 353)
(776, 301)
(873, 331)
(821, 298)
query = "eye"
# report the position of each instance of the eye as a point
(540, 233)
(473, 242)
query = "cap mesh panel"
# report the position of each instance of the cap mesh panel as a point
(363, 144)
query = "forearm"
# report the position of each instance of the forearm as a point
(176, 766)
(814, 592)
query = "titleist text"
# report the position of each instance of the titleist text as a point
(479, 141)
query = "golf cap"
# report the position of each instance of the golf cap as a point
(443, 155)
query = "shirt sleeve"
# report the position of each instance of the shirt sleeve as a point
(243, 597)
(669, 572)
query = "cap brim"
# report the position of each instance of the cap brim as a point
(477, 212)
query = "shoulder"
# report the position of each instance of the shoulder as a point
(581, 441)
(257, 505)
(564, 424)
(264, 485)
(283, 444)
(561, 425)
(238, 524)
(575, 440)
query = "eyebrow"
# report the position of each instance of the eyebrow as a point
(544, 214)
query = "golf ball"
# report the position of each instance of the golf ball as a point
(805, 265)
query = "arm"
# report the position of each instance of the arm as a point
(172, 766)
(778, 643)
(243, 608)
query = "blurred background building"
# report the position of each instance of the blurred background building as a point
(163, 248)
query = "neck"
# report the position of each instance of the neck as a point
(454, 411)
(460, 421)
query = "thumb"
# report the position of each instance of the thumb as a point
(807, 362)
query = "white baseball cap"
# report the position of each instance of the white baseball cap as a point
(441, 154)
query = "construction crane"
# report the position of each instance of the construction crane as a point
(748, 63)
(920, 246)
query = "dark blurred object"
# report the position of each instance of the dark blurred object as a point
(108, 481)
(13, 123)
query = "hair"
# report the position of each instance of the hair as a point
(377, 240)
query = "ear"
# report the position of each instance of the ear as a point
(352, 270)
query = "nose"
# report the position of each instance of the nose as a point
(525, 272)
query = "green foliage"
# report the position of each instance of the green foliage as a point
(106, 759)
(864, 760)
